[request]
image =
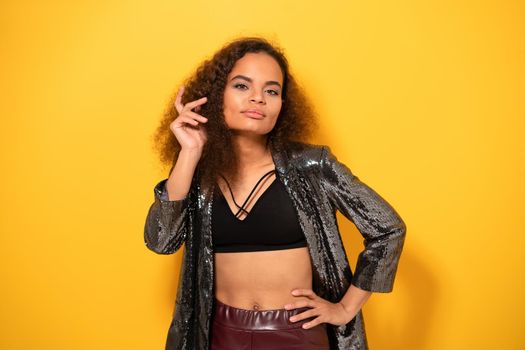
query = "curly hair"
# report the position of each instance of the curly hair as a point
(296, 121)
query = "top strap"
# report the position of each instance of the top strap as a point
(241, 208)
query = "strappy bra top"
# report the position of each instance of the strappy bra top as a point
(271, 224)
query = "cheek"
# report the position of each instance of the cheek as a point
(277, 106)
(231, 102)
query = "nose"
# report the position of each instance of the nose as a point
(257, 97)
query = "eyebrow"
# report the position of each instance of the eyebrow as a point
(269, 82)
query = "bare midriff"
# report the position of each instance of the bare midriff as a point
(262, 280)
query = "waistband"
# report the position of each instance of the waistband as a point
(257, 319)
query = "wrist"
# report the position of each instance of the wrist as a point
(189, 157)
(349, 310)
(191, 151)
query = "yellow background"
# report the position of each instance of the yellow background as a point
(423, 100)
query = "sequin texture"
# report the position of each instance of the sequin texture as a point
(319, 186)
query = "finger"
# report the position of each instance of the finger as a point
(300, 303)
(303, 315)
(312, 323)
(178, 100)
(188, 120)
(193, 104)
(308, 292)
(195, 116)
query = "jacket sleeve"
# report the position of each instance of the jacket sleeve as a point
(166, 223)
(380, 225)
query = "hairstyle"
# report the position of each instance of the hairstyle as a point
(296, 120)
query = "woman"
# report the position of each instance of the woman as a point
(264, 266)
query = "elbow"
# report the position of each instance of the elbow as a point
(398, 234)
(396, 242)
(166, 224)
(159, 249)
(392, 237)
(164, 236)
(154, 248)
(163, 240)
(152, 242)
(401, 229)
(397, 228)
(152, 239)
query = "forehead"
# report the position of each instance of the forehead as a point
(258, 66)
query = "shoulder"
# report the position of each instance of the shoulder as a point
(306, 155)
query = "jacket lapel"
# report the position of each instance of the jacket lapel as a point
(300, 192)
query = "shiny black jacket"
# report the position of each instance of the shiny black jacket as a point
(318, 185)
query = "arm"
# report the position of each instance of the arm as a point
(353, 301)
(165, 229)
(380, 225)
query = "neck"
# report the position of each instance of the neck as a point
(252, 151)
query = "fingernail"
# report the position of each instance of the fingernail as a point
(294, 292)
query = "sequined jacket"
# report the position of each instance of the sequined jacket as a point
(318, 185)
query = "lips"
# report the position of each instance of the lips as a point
(254, 113)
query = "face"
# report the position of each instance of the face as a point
(252, 96)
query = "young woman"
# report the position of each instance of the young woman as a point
(255, 204)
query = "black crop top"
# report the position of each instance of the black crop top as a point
(271, 224)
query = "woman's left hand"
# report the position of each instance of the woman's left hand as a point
(326, 311)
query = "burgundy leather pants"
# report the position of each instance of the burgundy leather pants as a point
(241, 329)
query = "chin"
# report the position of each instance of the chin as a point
(248, 131)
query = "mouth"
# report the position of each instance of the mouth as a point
(254, 114)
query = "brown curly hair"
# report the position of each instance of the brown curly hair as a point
(296, 122)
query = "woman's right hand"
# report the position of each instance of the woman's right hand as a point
(185, 127)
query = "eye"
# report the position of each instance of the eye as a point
(273, 92)
(238, 85)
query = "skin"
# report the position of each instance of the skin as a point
(262, 280)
